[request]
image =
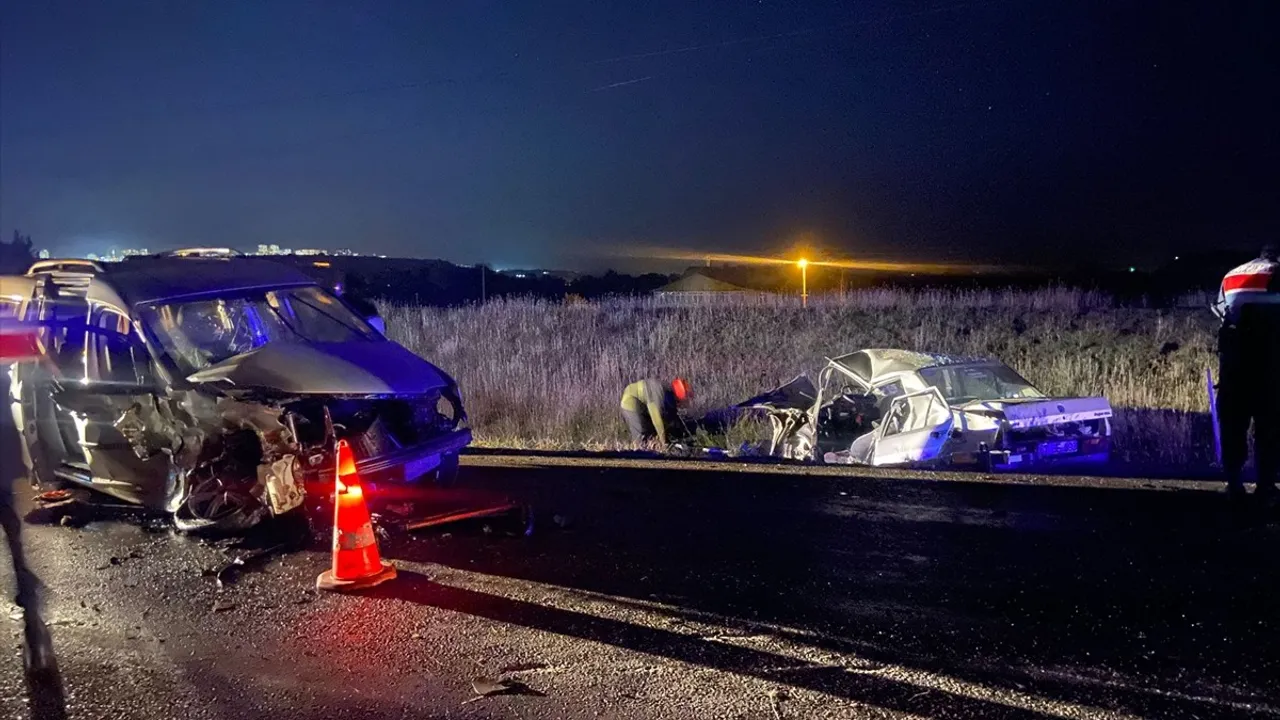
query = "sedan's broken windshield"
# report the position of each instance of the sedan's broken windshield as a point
(200, 333)
(969, 383)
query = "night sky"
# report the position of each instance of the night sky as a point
(558, 134)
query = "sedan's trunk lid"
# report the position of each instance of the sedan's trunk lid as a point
(1021, 414)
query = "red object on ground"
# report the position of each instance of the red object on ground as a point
(357, 563)
(53, 496)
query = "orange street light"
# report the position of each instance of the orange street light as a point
(804, 282)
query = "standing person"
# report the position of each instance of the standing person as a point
(1249, 371)
(44, 683)
(651, 409)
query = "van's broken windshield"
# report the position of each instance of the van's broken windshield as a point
(200, 333)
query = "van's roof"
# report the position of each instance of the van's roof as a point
(141, 280)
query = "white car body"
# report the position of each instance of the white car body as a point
(901, 408)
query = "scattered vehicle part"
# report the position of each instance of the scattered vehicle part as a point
(53, 496)
(461, 515)
(901, 408)
(775, 702)
(211, 386)
(230, 571)
(489, 687)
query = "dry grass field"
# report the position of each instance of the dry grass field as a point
(539, 374)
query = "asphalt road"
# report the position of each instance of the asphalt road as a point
(693, 591)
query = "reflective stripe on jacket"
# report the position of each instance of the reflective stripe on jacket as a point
(1257, 281)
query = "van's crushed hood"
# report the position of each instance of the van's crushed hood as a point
(349, 368)
(1039, 412)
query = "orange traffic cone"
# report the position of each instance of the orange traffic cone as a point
(356, 562)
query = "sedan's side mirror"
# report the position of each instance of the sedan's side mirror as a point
(377, 323)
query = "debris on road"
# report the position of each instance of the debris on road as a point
(775, 702)
(489, 687)
(53, 496)
(459, 516)
(222, 606)
(230, 571)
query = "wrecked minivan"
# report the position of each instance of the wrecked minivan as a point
(901, 408)
(214, 387)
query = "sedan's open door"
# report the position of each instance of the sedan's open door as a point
(913, 430)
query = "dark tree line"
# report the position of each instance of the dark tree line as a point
(16, 255)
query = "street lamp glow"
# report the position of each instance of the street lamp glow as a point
(804, 282)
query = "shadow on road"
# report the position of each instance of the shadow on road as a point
(868, 689)
(1152, 603)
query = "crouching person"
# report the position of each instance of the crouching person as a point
(651, 410)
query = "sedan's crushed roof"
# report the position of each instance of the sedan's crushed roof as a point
(149, 279)
(871, 365)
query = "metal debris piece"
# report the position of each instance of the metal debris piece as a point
(450, 518)
(218, 578)
(775, 702)
(489, 687)
(223, 606)
(284, 488)
(230, 570)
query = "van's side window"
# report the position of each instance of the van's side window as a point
(117, 355)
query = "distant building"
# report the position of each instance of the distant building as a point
(709, 283)
(699, 282)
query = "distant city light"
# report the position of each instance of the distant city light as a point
(273, 249)
(1133, 269)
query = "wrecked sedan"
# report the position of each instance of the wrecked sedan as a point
(902, 408)
(215, 388)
